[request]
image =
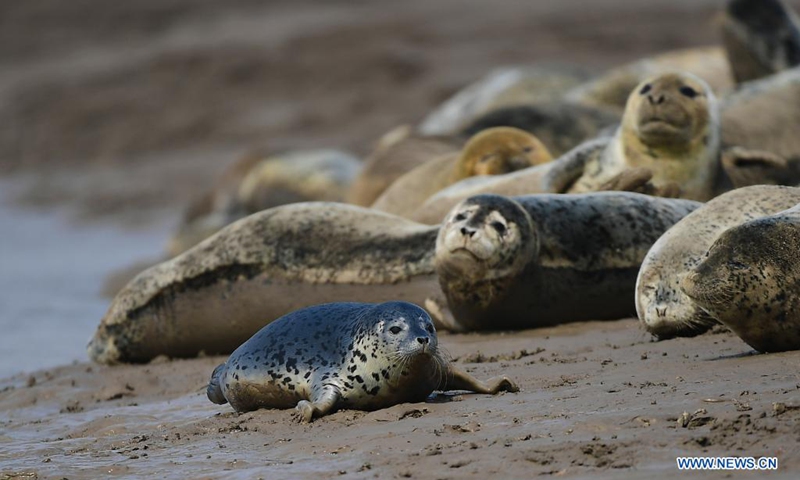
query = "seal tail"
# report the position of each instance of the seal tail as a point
(214, 390)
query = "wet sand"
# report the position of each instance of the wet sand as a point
(121, 112)
(598, 400)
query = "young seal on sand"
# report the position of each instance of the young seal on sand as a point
(216, 295)
(664, 310)
(342, 355)
(670, 127)
(491, 152)
(750, 278)
(525, 262)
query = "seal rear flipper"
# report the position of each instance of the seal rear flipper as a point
(457, 379)
(214, 390)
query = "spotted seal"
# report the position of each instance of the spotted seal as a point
(217, 294)
(749, 281)
(490, 152)
(342, 355)
(663, 309)
(525, 262)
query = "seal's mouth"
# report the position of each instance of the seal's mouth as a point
(464, 253)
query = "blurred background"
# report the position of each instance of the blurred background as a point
(113, 115)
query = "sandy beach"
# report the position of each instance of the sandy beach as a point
(114, 115)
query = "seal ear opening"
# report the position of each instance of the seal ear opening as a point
(214, 390)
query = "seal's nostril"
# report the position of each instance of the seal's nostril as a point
(468, 232)
(422, 340)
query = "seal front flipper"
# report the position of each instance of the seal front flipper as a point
(570, 168)
(638, 180)
(321, 404)
(458, 379)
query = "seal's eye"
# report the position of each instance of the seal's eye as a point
(460, 217)
(645, 89)
(501, 229)
(429, 328)
(395, 330)
(688, 92)
(527, 149)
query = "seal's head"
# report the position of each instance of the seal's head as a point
(405, 329)
(500, 150)
(749, 279)
(673, 112)
(664, 310)
(485, 237)
(761, 37)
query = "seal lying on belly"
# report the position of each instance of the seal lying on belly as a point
(216, 295)
(664, 310)
(750, 281)
(342, 355)
(525, 262)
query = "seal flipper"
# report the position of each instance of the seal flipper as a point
(214, 390)
(457, 379)
(745, 167)
(568, 169)
(322, 402)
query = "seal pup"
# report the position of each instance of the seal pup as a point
(342, 355)
(749, 280)
(761, 37)
(538, 260)
(663, 309)
(670, 126)
(398, 151)
(259, 181)
(490, 152)
(217, 294)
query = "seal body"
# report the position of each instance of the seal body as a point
(339, 355)
(662, 307)
(504, 87)
(762, 115)
(493, 151)
(217, 294)
(761, 37)
(525, 262)
(750, 278)
(261, 181)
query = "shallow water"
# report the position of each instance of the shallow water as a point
(51, 271)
